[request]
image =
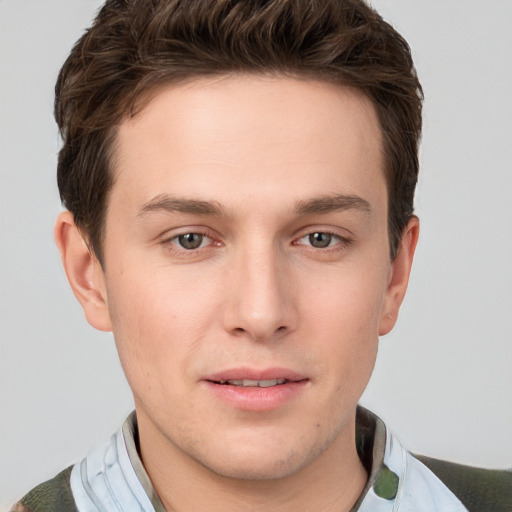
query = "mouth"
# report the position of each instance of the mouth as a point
(256, 390)
(255, 378)
(250, 383)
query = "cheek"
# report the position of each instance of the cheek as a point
(158, 322)
(344, 318)
(349, 303)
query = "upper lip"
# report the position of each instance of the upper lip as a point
(255, 374)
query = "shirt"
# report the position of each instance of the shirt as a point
(112, 478)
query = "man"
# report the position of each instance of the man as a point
(239, 179)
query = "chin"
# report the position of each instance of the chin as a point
(258, 469)
(267, 461)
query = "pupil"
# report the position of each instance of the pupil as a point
(190, 240)
(320, 240)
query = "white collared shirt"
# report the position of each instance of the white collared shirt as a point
(113, 479)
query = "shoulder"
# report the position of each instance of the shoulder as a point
(480, 490)
(53, 495)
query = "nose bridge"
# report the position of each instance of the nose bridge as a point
(259, 302)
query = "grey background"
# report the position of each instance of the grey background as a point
(442, 382)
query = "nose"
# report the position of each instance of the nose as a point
(260, 291)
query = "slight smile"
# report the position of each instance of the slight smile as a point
(256, 390)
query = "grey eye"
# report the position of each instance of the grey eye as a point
(320, 240)
(191, 240)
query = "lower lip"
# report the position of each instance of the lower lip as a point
(256, 398)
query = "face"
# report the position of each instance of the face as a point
(247, 273)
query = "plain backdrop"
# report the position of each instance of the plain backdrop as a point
(442, 382)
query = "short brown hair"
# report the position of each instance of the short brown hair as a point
(135, 44)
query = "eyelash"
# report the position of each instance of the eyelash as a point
(341, 242)
(172, 243)
(172, 246)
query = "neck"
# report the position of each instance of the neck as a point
(333, 481)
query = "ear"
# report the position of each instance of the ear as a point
(83, 271)
(399, 278)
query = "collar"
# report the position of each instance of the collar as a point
(113, 478)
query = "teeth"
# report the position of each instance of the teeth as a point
(270, 383)
(249, 383)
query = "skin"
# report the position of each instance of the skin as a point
(251, 164)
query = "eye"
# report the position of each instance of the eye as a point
(191, 241)
(320, 240)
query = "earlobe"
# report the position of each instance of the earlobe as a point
(400, 272)
(83, 271)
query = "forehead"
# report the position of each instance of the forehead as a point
(253, 132)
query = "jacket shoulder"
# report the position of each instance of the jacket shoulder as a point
(50, 496)
(479, 490)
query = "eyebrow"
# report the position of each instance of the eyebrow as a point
(320, 205)
(328, 204)
(168, 204)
